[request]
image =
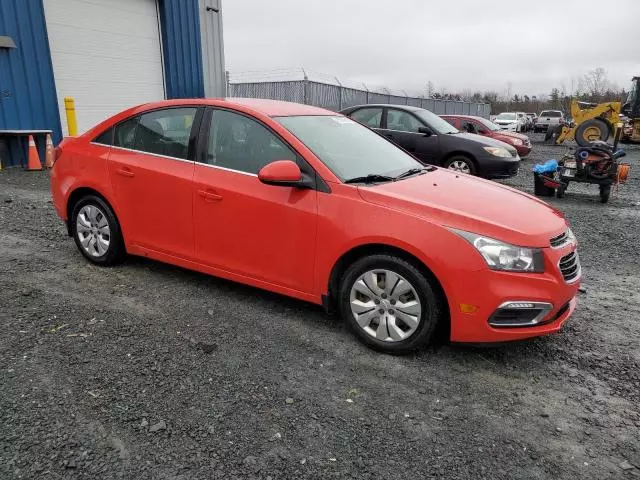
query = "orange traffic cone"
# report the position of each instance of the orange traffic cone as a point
(48, 156)
(34, 158)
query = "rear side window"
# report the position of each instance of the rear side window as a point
(105, 138)
(125, 133)
(453, 121)
(368, 116)
(165, 132)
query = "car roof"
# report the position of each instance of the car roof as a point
(472, 117)
(271, 108)
(378, 105)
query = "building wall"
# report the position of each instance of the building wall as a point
(27, 85)
(212, 48)
(27, 89)
(181, 48)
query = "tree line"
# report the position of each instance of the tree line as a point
(592, 87)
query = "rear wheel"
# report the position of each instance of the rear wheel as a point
(96, 231)
(389, 304)
(591, 131)
(461, 164)
(605, 193)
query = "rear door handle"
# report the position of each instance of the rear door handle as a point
(125, 172)
(209, 196)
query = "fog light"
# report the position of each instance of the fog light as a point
(519, 314)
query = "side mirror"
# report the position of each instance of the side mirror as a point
(425, 130)
(284, 173)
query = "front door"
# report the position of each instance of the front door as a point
(151, 170)
(241, 225)
(402, 128)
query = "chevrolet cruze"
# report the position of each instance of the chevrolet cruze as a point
(311, 204)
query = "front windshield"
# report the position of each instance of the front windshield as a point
(489, 124)
(349, 149)
(506, 116)
(435, 122)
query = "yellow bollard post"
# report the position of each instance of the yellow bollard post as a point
(70, 108)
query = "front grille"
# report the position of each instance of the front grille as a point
(559, 240)
(570, 266)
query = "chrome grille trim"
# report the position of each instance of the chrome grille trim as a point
(559, 241)
(570, 268)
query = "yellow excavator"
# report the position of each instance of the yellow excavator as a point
(592, 122)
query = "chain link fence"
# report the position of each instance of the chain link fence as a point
(305, 86)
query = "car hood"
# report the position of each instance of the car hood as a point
(519, 136)
(471, 204)
(482, 141)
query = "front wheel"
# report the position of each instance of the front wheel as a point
(605, 193)
(389, 304)
(461, 164)
(96, 231)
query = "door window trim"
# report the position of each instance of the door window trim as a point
(368, 107)
(203, 144)
(193, 134)
(404, 131)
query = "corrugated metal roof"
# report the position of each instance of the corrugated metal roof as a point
(27, 89)
(182, 48)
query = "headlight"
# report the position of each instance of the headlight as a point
(498, 151)
(517, 141)
(571, 237)
(502, 256)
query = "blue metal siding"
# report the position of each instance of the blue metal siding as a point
(180, 23)
(27, 88)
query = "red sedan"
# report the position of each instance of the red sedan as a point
(308, 203)
(486, 128)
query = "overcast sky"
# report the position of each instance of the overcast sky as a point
(457, 44)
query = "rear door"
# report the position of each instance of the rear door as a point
(402, 128)
(151, 169)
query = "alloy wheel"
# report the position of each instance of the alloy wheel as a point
(460, 166)
(385, 305)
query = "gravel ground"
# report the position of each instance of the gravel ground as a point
(150, 371)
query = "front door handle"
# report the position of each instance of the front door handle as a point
(209, 196)
(125, 172)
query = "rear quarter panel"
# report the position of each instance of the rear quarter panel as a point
(81, 165)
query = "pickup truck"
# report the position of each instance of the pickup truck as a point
(548, 119)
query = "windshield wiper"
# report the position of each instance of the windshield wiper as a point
(412, 171)
(371, 178)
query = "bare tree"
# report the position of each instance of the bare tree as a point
(430, 89)
(596, 83)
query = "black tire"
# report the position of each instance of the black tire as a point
(432, 309)
(560, 190)
(591, 126)
(116, 250)
(605, 193)
(461, 158)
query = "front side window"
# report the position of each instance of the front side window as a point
(240, 143)
(468, 126)
(165, 132)
(347, 148)
(368, 116)
(402, 121)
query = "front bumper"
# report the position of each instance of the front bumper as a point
(509, 127)
(523, 150)
(496, 167)
(489, 290)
